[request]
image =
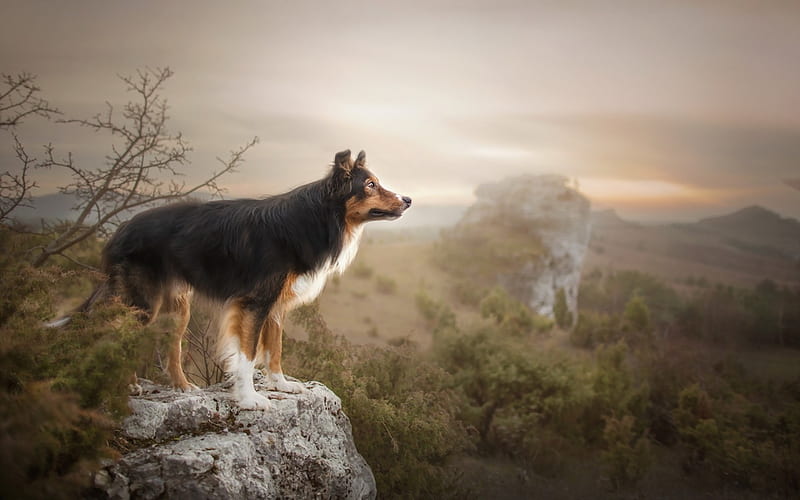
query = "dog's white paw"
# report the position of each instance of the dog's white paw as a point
(189, 387)
(254, 401)
(283, 385)
(135, 389)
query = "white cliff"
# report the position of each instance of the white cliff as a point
(552, 218)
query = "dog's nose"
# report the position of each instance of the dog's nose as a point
(407, 201)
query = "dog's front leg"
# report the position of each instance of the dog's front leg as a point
(272, 344)
(239, 353)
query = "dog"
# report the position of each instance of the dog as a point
(259, 258)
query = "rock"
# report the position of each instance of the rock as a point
(201, 445)
(548, 216)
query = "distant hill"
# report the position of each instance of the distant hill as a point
(609, 219)
(756, 227)
(743, 247)
(58, 206)
(50, 207)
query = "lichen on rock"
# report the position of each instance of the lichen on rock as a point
(201, 445)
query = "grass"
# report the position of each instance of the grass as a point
(408, 267)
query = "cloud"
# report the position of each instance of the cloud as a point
(795, 183)
(678, 150)
(665, 96)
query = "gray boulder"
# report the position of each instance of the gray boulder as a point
(200, 445)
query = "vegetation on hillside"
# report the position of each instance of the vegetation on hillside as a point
(60, 392)
(649, 373)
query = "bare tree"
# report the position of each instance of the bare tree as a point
(19, 99)
(141, 170)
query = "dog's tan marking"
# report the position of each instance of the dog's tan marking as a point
(235, 323)
(271, 341)
(181, 305)
(357, 209)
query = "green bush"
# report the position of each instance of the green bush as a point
(510, 315)
(402, 412)
(593, 329)
(438, 314)
(59, 388)
(561, 311)
(467, 293)
(627, 456)
(519, 400)
(636, 323)
(478, 252)
(611, 293)
(734, 438)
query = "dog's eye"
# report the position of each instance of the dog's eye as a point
(371, 184)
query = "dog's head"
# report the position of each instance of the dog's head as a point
(365, 199)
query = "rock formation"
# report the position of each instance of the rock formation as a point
(200, 445)
(539, 228)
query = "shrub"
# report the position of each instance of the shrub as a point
(402, 413)
(361, 270)
(436, 312)
(593, 329)
(511, 316)
(467, 293)
(611, 293)
(615, 391)
(561, 312)
(627, 456)
(386, 285)
(478, 252)
(636, 323)
(520, 401)
(734, 438)
(58, 388)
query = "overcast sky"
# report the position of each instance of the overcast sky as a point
(664, 110)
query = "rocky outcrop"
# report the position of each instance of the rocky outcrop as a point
(552, 219)
(200, 445)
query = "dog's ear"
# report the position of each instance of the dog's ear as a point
(361, 160)
(342, 161)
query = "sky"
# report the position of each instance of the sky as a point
(662, 110)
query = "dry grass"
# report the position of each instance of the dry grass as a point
(408, 264)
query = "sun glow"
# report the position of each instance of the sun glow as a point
(610, 189)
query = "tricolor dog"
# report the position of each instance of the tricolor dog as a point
(259, 258)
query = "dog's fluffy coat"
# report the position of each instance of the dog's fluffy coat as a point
(259, 258)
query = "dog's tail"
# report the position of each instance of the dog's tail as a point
(99, 293)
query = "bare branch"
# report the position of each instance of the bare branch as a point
(20, 99)
(15, 189)
(139, 171)
(79, 263)
(201, 353)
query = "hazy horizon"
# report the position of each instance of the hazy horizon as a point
(663, 111)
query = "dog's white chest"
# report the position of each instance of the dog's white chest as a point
(308, 286)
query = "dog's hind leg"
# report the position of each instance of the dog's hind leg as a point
(181, 304)
(239, 326)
